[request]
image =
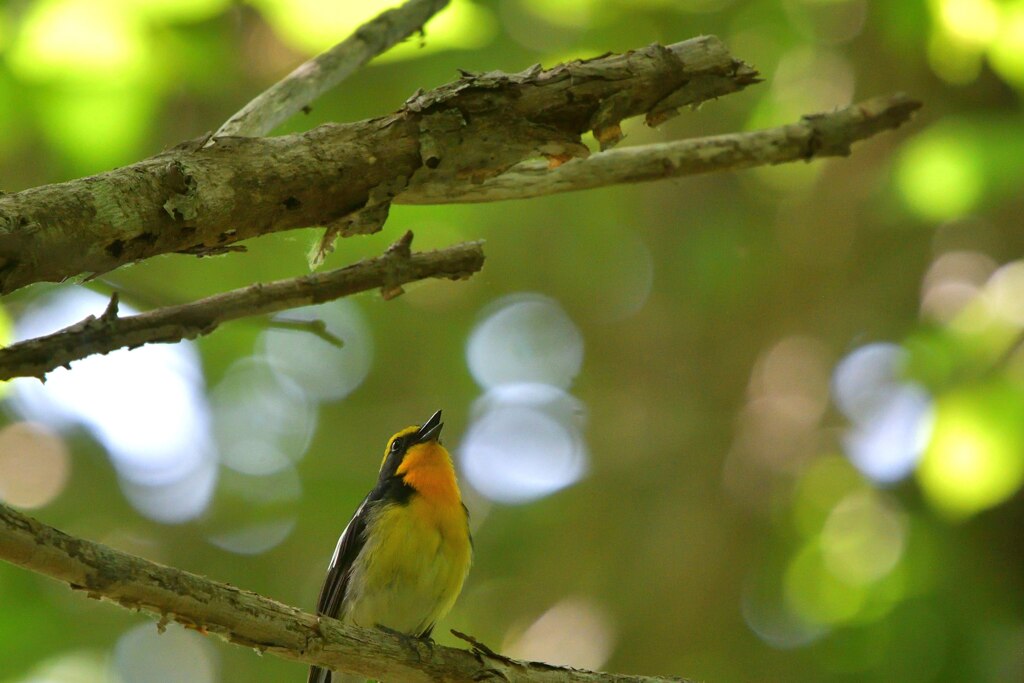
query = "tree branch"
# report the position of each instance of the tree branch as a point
(201, 200)
(251, 620)
(298, 89)
(397, 266)
(814, 136)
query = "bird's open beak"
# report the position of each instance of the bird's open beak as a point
(431, 429)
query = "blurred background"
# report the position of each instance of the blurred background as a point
(762, 426)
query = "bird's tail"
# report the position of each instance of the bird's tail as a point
(318, 675)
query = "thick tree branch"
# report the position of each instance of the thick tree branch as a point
(398, 266)
(298, 89)
(814, 136)
(251, 620)
(200, 200)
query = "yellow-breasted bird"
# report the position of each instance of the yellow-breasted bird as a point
(401, 561)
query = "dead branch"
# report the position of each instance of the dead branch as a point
(397, 266)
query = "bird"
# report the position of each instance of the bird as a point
(402, 559)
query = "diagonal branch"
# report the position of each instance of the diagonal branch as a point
(814, 136)
(251, 620)
(397, 266)
(298, 89)
(201, 200)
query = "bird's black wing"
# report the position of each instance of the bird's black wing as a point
(332, 593)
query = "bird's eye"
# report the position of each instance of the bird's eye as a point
(396, 445)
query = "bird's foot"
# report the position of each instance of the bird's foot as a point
(413, 643)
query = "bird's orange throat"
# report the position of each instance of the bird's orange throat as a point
(427, 468)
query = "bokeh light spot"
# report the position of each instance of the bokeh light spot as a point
(253, 513)
(952, 282)
(164, 11)
(573, 632)
(6, 337)
(892, 419)
(939, 174)
(794, 374)
(525, 338)
(144, 655)
(314, 25)
(147, 406)
(817, 595)
(263, 421)
(323, 370)
(976, 456)
(863, 380)
(176, 500)
(826, 481)
(572, 14)
(524, 443)
(888, 445)
(970, 21)
(87, 41)
(863, 538)
(767, 615)
(1005, 293)
(1006, 52)
(97, 129)
(80, 666)
(953, 61)
(34, 465)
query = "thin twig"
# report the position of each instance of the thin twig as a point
(253, 621)
(480, 647)
(36, 357)
(814, 136)
(317, 328)
(297, 90)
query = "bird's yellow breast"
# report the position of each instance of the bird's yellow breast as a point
(413, 566)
